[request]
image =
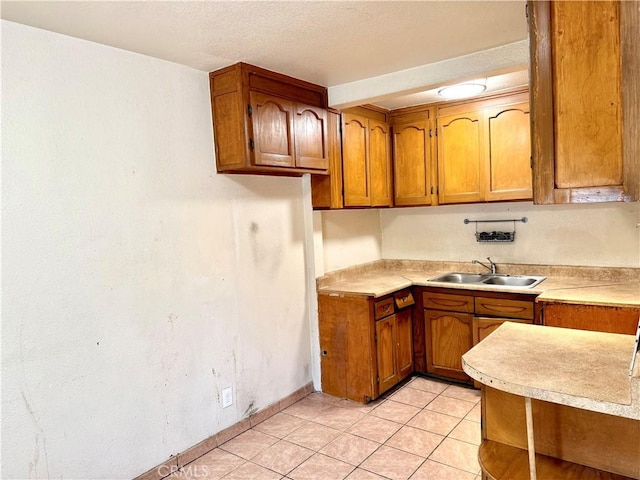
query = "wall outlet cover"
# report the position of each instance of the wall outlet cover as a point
(227, 397)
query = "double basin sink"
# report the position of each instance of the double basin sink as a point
(492, 279)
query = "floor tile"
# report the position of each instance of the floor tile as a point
(307, 409)
(457, 454)
(462, 393)
(360, 474)
(392, 463)
(375, 428)
(413, 397)
(450, 406)
(350, 448)
(395, 411)
(428, 385)
(250, 471)
(475, 414)
(434, 422)
(213, 465)
(467, 431)
(313, 435)
(414, 440)
(323, 397)
(282, 457)
(360, 407)
(321, 467)
(248, 444)
(338, 418)
(280, 425)
(431, 470)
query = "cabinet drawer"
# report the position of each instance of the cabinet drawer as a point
(445, 301)
(403, 299)
(383, 308)
(498, 307)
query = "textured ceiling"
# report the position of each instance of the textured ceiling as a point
(325, 42)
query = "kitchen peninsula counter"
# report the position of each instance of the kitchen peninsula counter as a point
(573, 409)
(618, 287)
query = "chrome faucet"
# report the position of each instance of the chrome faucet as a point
(492, 266)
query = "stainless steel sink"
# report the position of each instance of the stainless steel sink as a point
(495, 280)
(459, 278)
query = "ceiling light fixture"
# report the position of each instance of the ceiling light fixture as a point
(463, 90)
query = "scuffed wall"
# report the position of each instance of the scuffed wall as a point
(136, 282)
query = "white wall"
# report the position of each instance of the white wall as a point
(136, 282)
(350, 237)
(602, 234)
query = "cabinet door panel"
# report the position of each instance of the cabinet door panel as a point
(412, 163)
(380, 164)
(587, 98)
(385, 346)
(509, 153)
(460, 177)
(231, 147)
(355, 161)
(272, 130)
(448, 338)
(404, 333)
(311, 137)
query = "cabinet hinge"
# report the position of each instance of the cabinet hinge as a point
(432, 190)
(430, 132)
(531, 161)
(249, 110)
(377, 379)
(251, 144)
(436, 132)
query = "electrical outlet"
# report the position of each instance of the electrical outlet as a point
(227, 397)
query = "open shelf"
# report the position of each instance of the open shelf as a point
(500, 461)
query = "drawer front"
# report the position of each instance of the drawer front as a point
(403, 299)
(383, 308)
(498, 307)
(448, 302)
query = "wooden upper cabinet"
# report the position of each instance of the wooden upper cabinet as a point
(460, 146)
(366, 161)
(311, 137)
(508, 150)
(585, 99)
(355, 161)
(379, 163)
(326, 190)
(412, 159)
(484, 150)
(268, 123)
(272, 130)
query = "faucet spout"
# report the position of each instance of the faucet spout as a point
(492, 267)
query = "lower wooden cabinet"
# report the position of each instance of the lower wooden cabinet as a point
(591, 317)
(449, 337)
(455, 320)
(394, 349)
(366, 344)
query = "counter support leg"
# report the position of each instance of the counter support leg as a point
(530, 442)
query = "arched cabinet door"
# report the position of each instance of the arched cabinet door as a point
(273, 136)
(380, 164)
(355, 160)
(508, 152)
(412, 163)
(460, 148)
(311, 145)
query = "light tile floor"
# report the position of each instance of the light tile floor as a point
(425, 430)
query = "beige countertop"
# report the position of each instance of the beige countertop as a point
(582, 369)
(577, 285)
